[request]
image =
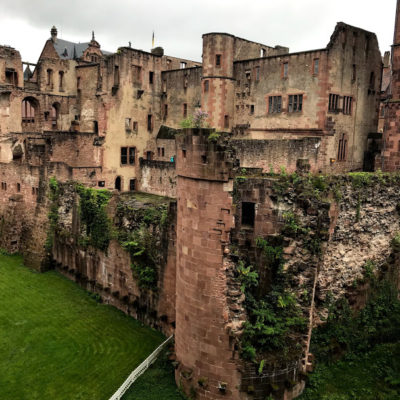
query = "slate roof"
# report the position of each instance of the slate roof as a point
(70, 50)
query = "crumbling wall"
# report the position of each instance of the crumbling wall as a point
(110, 271)
(158, 177)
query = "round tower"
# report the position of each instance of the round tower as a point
(217, 93)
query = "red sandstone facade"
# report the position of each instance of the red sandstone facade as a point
(107, 120)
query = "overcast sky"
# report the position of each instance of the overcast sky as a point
(178, 25)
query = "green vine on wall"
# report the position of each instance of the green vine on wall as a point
(144, 240)
(275, 320)
(93, 216)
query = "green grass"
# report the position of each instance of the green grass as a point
(57, 343)
(374, 375)
(157, 383)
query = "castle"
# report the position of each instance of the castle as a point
(111, 120)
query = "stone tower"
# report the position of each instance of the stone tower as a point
(217, 93)
(208, 364)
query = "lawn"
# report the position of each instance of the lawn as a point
(157, 383)
(57, 343)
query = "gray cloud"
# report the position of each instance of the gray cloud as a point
(178, 25)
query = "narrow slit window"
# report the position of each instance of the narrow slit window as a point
(248, 214)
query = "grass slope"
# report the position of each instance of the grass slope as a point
(371, 376)
(156, 383)
(57, 343)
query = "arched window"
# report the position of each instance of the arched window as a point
(29, 111)
(61, 80)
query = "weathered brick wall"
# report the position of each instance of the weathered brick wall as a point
(180, 87)
(158, 177)
(271, 155)
(109, 272)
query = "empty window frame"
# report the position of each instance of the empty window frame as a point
(285, 70)
(127, 124)
(135, 126)
(218, 60)
(342, 148)
(315, 66)
(28, 111)
(248, 214)
(128, 155)
(182, 65)
(150, 122)
(226, 121)
(49, 77)
(165, 111)
(333, 102)
(347, 105)
(11, 76)
(275, 104)
(132, 184)
(185, 109)
(251, 109)
(61, 80)
(116, 75)
(151, 77)
(295, 103)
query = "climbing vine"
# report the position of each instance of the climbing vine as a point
(145, 239)
(96, 225)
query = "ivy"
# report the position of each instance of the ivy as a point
(274, 318)
(93, 215)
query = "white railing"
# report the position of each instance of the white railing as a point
(139, 371)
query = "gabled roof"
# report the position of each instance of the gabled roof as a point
(69, 50)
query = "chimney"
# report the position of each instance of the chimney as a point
(53, 33)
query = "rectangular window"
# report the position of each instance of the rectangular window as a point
(252, 109)
(206, 86)
(316, 66)
(135, 126)
(150, 122)
(248, 214)
(285, 70)
(127, 124)
(128, 155)
(333, 102)
(124, 155)
(295, 103)
(162, 152)
(347, 105)
(165, 111)
(226, 122)
(184, 110)
(248, 75)
(149, 155)
(342, 148)
(132, 184)
(116, 75)
(218, 60)
(11, 76)
(132, 151)
(275, 104)
(257, 73)
(151, 77)
(182, 65)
